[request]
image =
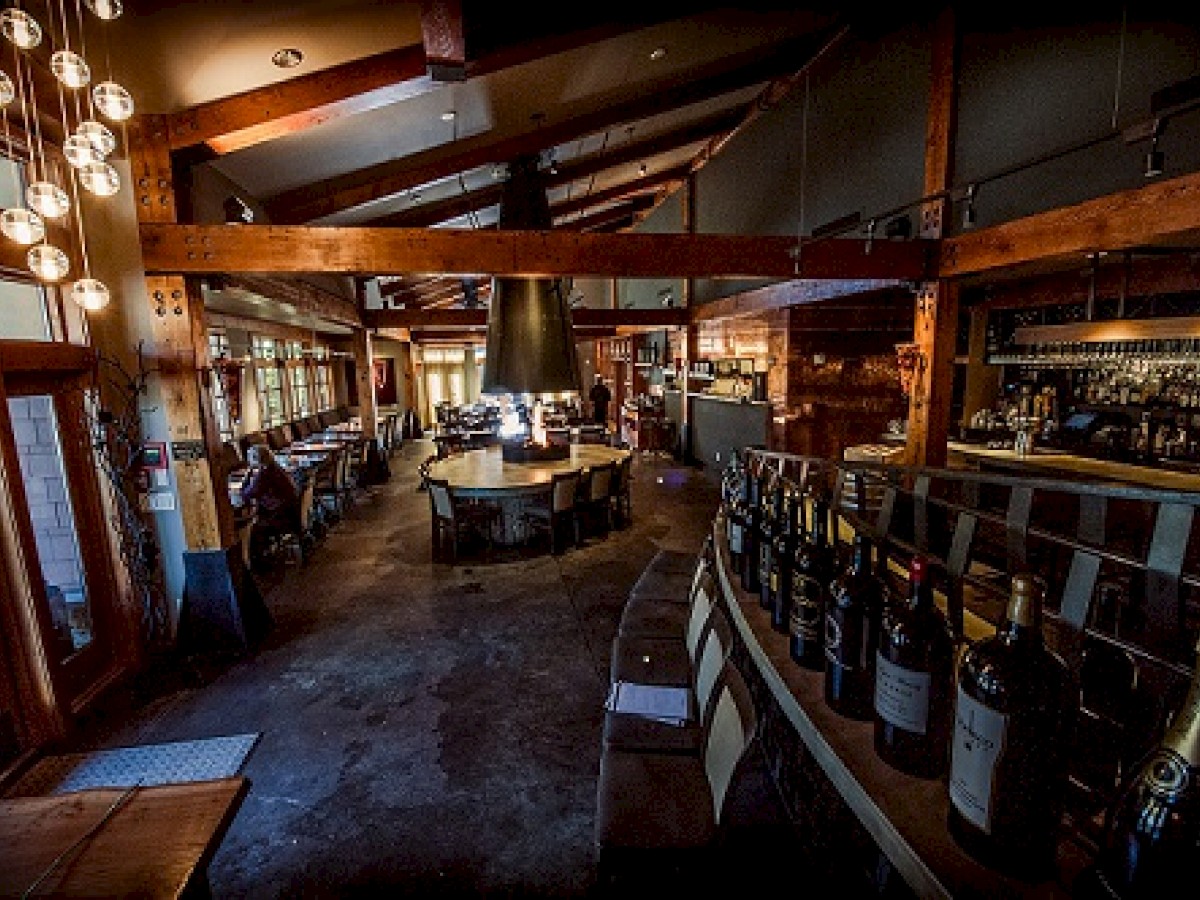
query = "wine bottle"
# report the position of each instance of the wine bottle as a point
(1152, 828)
(914, 677)
(781, 563)
(1013, 715)
(772, 508)
(1108, 683)
(750, 562)
(812, 570)
(736, 519)
(852, 620)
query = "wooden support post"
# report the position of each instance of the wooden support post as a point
(364, 374)
(934, 331)
(177, 330)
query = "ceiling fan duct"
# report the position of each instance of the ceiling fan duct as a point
(530, 341)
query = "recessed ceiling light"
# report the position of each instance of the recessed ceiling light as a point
(448, 115)
(287, 58)
(658, 53)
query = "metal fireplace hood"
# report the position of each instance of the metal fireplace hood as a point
(530, 341)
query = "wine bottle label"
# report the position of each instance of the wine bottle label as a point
(833, 641)
(901, 695)
(807, 608)
(774, 580)
(735, 538)
(979, 736)
(764, 563)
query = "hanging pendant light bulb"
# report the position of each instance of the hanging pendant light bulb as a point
(99, 135)
(113, 101)
(48, 199)
(104, 9)
(48, 263)
(79, 151)
(21, 28)
(23, 226)
(8, 90)
(90, 293)
(70, 68)
(100, 178)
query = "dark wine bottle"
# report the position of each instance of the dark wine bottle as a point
(749, 573)
(1108, 684)
(772, 509)
(781, 563)
(812, 570)
(914, 677)
(1013, 716)
(852, 619)
(736, 519)
(1152, 828)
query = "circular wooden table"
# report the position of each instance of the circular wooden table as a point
(483, 474)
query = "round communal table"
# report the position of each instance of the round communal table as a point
(483, 474)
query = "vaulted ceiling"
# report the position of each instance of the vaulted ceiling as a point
(407, 114)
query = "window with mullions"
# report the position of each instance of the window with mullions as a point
(323, 381)
(268, 380)
(218, 350)
(298, 376)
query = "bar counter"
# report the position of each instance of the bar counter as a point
(1058, 464)
(719, 425)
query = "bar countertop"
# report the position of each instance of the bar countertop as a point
(1057, 461)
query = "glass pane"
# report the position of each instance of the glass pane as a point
(24, 317)
(458, 396)
(35, 431)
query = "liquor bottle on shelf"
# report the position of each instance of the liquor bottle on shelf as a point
(812, 570)
(781, 561)
(772, 524)
(1013, 716)
(852, 619)
(750, 551)
(1152, 828)
(914, 678)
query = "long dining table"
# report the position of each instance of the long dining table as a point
(483, 474)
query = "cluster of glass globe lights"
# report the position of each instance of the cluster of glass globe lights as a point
(86, 151)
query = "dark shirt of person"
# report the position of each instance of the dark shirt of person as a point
(276, 500)
(600, 396)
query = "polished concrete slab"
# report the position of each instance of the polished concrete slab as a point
(427, 729)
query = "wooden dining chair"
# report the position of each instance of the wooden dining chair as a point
(619, 492)
(455, 519)
(597, 505)
(556, 510)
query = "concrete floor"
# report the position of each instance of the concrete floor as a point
(427, 729)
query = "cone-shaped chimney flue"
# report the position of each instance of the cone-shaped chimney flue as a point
(530, 342)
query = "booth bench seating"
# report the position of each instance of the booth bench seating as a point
(665, 788)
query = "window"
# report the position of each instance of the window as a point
(268, 381)
(298, 376)
(218, 350)
(324, 381)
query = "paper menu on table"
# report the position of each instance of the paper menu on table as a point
(664, 703)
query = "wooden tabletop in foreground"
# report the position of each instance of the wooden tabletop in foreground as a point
(484, 470)
(158, 844)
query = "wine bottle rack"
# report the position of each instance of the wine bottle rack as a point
(977, 529)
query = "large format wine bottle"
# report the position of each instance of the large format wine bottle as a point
(914, 677)
(1013, 716)
(1152, 829)
(781, 562)
(749, 573)
(852, 634)
(812, 570)
(769, 525)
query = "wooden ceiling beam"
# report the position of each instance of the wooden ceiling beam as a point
(251, 117)
(793, 293)
(622, 212)
(1165, 212)
(383, 180)
(214, 249)
(583, 318)
(439, 211)
(666, 180)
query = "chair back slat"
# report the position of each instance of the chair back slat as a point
(600, 478)
(563, 491)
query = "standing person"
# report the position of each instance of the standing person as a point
(600, 396)
(276, 500)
